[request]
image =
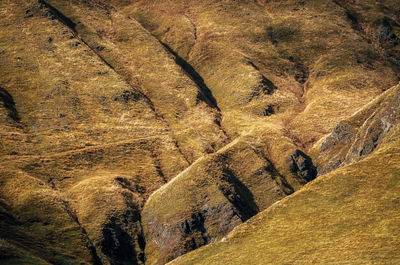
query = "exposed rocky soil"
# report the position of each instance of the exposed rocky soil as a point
(134, 132)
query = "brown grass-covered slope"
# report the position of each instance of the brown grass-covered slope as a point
(348, 216)
(134, 132)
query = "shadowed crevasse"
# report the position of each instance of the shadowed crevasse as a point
(238, 194)
(89, 245)
(123, 240)
(119, 239)
(9, 104)
(57, 14)
(195, 76)
(302, 164)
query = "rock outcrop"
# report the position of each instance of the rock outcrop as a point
(133, 132)
(302, 164)
(208, 199)
(357, 137)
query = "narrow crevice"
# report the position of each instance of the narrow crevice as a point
(178, 147)
(302, 73)
(71, 25)
(194, 27)
(67, 208)
(280, 180)
(237, 194)
(253, 65)
(142, 241)
(204, 91)
(157, 164)
(57, 14)
(120, 232)
(9, 104)
(264, 86)
(112, 67)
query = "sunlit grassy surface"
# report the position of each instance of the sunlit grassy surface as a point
(349, 216)
(324, 69)
(289, 40)
(109, 104)
(82, 126)
(353, 138)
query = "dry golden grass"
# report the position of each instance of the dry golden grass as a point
(37, 222)
(136, 91)
(349, 216)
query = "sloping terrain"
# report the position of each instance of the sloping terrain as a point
(134, 132)
(349, 216)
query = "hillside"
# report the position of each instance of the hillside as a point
(348, 216)
(144, 132)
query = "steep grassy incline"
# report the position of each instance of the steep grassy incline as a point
(82, 146)
(208, 199)
(349, 216)
(137, 131)
(283, 73)
(355, 138)
(187, 106)
(301, 63)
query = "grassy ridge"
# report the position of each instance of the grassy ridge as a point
(348, 216)
(109, 100)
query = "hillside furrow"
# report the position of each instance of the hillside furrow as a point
(203, 90)
(199, 132)
(89, 243)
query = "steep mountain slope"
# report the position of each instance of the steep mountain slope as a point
(304, 64)
(349, 216)
(355, 138)
(134, 132)
(91, 138)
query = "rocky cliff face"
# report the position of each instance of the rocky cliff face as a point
(355, 138)
(133, 132)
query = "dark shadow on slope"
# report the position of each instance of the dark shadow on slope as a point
(123, 237)
(302, 165)
(9, 104)
(117, 244)
(196, 78)
(238, 194)
(57, 14)
(280, 180)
